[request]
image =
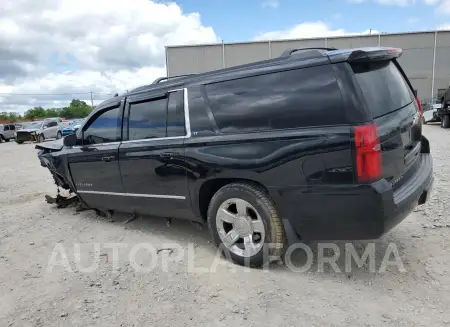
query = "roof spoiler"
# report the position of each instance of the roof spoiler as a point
(364, 54)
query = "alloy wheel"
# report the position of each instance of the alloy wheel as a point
(240, 227)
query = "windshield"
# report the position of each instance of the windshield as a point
(33, 125)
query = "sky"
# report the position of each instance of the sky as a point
(52, 51)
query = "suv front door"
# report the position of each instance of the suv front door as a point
(151, 160)
(94, 163)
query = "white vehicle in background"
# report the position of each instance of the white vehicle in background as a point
(7, 132)
(50, 129)
(39, 131)
(430, 116)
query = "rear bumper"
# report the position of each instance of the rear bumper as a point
(353, 212)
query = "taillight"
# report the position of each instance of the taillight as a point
(368, 153)
(420, 107)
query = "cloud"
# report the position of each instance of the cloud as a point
(271, 4)
(104, 46)
(444, 7)
(400, 3)
(308, 30)
(444, 27)
(413, 20)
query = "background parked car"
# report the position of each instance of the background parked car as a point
(71, 127)
(39, 131)
(7, 132)
(28, 132)
(431, 115)
(50, 129)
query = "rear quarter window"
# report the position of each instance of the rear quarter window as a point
(384, 87)
(297, 98)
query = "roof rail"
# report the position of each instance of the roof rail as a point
(160, 79)
(288, 52)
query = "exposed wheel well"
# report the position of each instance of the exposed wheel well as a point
(210, 187)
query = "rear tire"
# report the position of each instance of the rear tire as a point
(1, 139)
(445, 121)
(6, 140)
(245, 225)
(424, 122)
(19, 142)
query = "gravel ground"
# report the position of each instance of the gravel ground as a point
(120, 293)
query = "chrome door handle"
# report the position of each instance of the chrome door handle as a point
(108, 159)
(169, 154)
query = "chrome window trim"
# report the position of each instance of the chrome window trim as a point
(187, 124)
(155, 196)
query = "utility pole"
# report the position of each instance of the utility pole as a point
(92, 102)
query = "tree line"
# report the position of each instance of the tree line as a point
(76, 109)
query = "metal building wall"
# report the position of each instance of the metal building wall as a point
(421, 52)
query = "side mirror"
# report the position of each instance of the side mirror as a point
(70, 140)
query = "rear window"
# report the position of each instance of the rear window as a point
(384, 87)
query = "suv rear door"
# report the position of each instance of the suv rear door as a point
(8, 133)
(394, 109)
(12, 130)
(151, 157)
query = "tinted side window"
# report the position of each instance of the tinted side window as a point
(6, 128)
(290, 99)
(147, 119)
(175, 114)
(12, 127)
(103, 128)
(199, 119)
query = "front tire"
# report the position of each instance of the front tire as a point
(245, 225)
(41, 138)
(424, 122)
(445, 121)
(19, 142)
(58, 135)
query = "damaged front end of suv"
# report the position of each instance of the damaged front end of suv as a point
(52, 155)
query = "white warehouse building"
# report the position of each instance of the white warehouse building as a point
(425, 58)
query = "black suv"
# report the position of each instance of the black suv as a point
(326, 143)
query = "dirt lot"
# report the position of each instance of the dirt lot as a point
(179, 293)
